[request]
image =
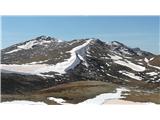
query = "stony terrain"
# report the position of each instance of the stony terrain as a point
(44, 62)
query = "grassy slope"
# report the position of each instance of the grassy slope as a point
(155, 61)
(143, 96)
(73, 92)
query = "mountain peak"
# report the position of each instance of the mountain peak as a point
(96, 40)
(116, 43)
(43, 37)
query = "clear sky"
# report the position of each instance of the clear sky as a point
(134, 31)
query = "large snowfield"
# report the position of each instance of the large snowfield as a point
(77, 55)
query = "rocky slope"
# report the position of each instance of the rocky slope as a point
(44, 62)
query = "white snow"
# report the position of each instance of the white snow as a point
(29, 69)
(70, 63)
(59, 40)
(146, 60)
(33, 63)
(131, 65)
(23, 102)
(158, 80)
(154, 66)
(151, 58)
(107, 64)
(12, 51)
(57, 100)
(152, 73)
(105, 57)
(44, 76)
(140, 60)
(119, 60)
(100, 99)
(29, 45)
(84, 61)
(140, 63)
(115, 57)
(77, 54)
(131, 75)
(111, 75)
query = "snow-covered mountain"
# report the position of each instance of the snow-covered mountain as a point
(45, 61)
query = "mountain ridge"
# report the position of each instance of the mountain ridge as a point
(56, 62)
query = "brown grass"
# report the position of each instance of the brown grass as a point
(143, 97)
(73, 92)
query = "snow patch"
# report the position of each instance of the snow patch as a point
(100, 99)
(146, 60)
(111, 76)
(29, 45)
(84, 61)
(154, 66)
(33, 63)
(131, 75)
(28, 69)
(151, 58)
(115, 57)
(131, 65)
(140, 63)
(12, 51)
(152, 73)
(57, 100)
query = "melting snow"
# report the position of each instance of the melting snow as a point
(131, 65)
(57, 100)
(33, 63)
(154, 66)
(70, 63)
(131, 75)
(146, 60)
(158, 80)
(152, 73)
(115, 57)
(84, 61)
(29, 69)
(77, 55)
(140, 63)
(12, 51)
(151, 58)
(100, 99)
(111, 75)
(29, 45)
(118, 60)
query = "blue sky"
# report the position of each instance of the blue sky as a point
(134, 31)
